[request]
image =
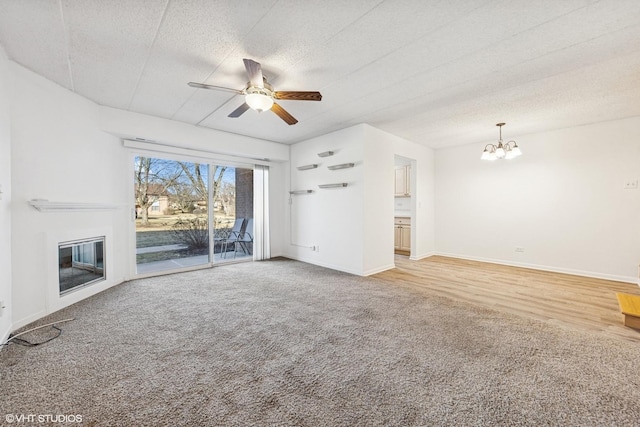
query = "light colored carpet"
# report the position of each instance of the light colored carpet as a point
(286, 343)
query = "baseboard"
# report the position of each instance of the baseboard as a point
(423, 256)
(379, 270)
(81, 295)
(57, 302)
(5, 335)
(29, 319)
(339, 268)
(325, 265)
(614, 277)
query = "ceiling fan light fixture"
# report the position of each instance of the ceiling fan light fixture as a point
(259, 101)
(259, 98)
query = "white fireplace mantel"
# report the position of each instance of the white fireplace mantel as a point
(47, 206)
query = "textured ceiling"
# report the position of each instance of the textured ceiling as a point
(438, 73)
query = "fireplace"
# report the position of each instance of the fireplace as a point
(80, 263)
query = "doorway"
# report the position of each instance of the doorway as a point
(404, 189)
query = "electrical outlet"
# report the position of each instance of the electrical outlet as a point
(631, 184)
(519, 249)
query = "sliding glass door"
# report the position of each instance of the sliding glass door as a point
(191, 214)
(172, 219)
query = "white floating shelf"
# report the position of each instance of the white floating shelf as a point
(307, 167)
(342, 166)
(341, 184)
(47, 206)
(325, 154)
(300, 192)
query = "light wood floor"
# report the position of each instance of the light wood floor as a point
(562, 299)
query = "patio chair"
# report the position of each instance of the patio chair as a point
(234, 234)
(246, 240)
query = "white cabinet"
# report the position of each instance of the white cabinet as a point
(403, 181)
(402, 234)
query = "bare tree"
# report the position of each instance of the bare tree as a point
(183, 197)
(185, 182)
(152, 178)
(194, 174)
(227, 197)
(218, 174)
(198, 182)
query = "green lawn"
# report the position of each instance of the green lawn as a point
(168, 255)
(145, 239)
(159, 233)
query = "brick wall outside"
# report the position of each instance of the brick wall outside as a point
(244, 193)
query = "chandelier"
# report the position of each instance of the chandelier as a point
(501, 151)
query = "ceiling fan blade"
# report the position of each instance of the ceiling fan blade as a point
(254, 70)
(239, 111)
(205, 86)
(283, 114)
(298, 96)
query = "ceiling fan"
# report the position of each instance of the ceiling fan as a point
(259, 94)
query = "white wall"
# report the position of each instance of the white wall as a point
(59, 154)
(378, 207)
(329, 219)
(128, 125)
(563, 201)
(68, 149)
(5, 201)
(353, 226)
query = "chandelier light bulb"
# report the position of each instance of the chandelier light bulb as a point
(509, 154)
(507, 151)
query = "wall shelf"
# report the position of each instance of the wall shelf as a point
(325, 154)
(341, 166)
(338, 185)
(47, 206)
(294, 192)
(307, 167)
